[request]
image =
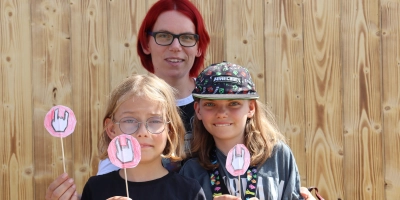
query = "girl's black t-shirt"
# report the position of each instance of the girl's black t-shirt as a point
(171, 186)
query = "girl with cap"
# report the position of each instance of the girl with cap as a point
(228, 113)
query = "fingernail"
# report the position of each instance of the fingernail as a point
(71, 180)
(64, 175)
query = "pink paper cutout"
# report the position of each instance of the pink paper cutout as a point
(124, 151)
(238, 160)
(60, 121)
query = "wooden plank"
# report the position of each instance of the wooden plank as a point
(16, 156)
(213, 13)
(51, 86)
(125, 18)
(362, 123)
(149, 3)
(90, 80)
(244, 38)
(284, 77)
(323, 100)
(391, 95)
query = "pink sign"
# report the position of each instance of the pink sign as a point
(124, 151)
(60, 121)
(238, 160)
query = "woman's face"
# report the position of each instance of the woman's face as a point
(173, 61)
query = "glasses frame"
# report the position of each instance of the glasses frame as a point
(139, 123)
(196, 36)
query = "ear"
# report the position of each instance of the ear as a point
(109, 126)
(199, 52)
(197, 110)
(252, 108)
(146, 49)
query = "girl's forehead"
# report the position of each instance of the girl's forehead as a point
(136, 98)
(140, 104)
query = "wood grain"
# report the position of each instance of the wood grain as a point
(214, 18)
(323, 99)
(391, 95)
(16, 110)
(51, 75)
(244, 38)
(91, 82)
(284, 73)
(362, 123)
(125, 18)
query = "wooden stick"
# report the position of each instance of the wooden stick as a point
(240, 188)
(126, 183)
(62, 148)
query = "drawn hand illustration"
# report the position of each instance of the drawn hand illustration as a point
(58, 123)
(125, 151)
(238, 159)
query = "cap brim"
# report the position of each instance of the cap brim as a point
(226, 96)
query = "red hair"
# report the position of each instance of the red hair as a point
(189, 10)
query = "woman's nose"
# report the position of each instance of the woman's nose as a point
(175, 45)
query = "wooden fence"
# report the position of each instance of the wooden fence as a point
(328, 69)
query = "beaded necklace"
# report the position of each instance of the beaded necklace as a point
(218, 186)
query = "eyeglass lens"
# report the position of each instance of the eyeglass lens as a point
(187, 40)
(130, 125)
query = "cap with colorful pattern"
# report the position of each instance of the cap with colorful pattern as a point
(225, 81)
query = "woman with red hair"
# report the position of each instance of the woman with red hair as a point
(188, 20)
(172, 44)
